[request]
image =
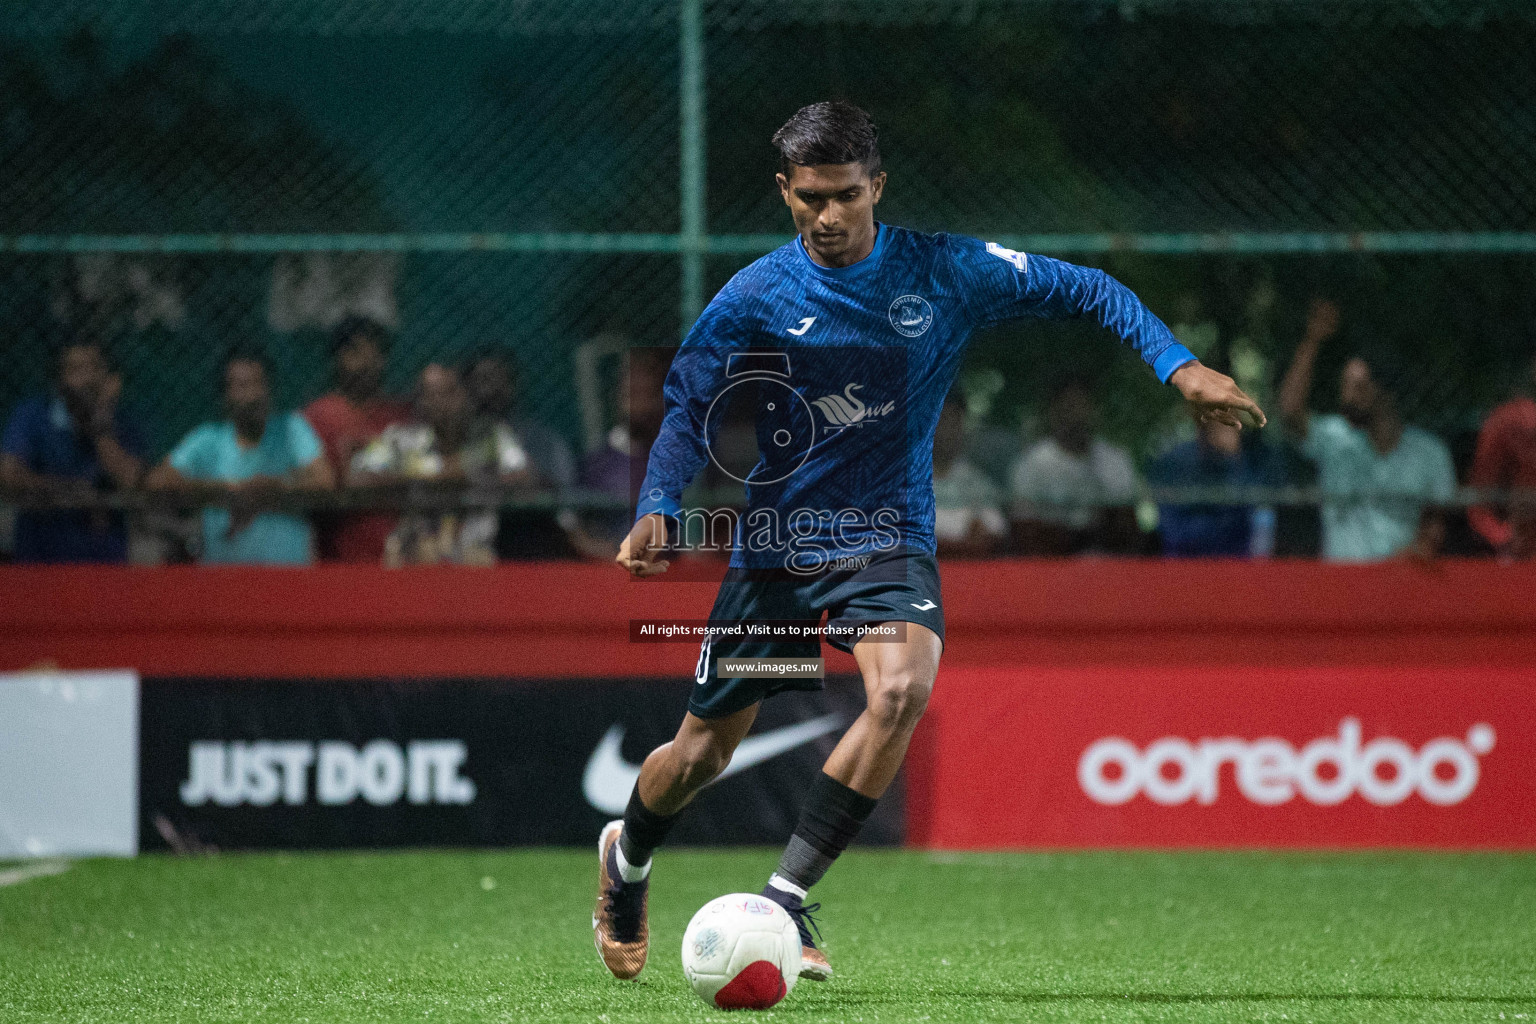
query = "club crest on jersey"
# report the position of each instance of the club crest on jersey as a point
(911, 315)
(848, 409)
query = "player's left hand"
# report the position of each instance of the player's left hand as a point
(1215, 396)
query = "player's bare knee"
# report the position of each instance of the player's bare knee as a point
(700, 762)
(899, 699)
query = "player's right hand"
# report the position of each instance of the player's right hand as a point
(638, 551)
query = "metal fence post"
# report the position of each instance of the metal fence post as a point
(691, 165)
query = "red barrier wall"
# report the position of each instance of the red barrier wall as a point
(1046, 662)
(551, 620)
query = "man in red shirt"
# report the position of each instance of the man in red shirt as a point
(1506, 457)
(347, 420)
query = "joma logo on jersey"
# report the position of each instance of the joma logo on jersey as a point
(848, 410)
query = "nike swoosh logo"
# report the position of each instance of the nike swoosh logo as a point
(805, 325)
(609, 779)
(927, 605)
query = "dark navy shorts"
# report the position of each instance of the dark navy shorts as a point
(898, 586)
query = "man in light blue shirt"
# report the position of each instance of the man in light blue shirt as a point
(250, 457)
(1383, 479)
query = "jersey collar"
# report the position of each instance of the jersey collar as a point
(864, 265)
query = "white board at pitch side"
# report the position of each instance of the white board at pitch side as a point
(69, 764)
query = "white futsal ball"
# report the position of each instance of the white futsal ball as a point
(742, 952)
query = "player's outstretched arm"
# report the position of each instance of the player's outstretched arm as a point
(638, 552)
(1001, 284)
(1215, 396)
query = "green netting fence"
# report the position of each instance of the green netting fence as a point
(533, 175)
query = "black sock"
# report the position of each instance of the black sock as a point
(644, 829)
(829, 821)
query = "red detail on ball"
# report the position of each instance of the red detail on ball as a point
(758, 986)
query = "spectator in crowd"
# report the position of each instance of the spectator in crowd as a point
(1217, 457)
(968, 520)
(1381, 477)
(435, 446)
(74, 442)
(491, 380)
(249, 458)
(619, 465)
(1506, 458)
(348, 419)
(1073, 491)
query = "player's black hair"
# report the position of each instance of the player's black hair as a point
(828, 133)
(359, 326)
(244, 352)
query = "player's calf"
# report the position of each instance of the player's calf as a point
(674, 771)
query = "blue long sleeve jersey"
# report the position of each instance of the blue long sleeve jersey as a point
(843, 372)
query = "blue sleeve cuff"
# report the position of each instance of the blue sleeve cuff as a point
(1171, 358)
(655, 501)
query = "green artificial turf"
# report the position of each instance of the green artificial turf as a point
(505, 936)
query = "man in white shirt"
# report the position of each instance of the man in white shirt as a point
(437, 445)
(1073, 491)
(968, 517)
(1382, 477)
